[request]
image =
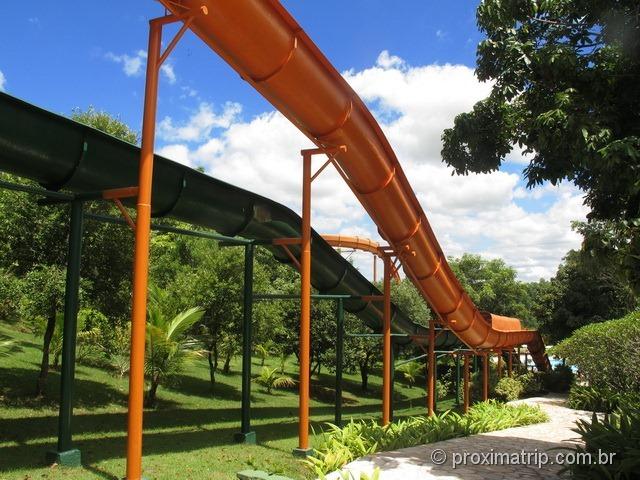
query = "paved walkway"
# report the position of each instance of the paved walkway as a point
(417, 463)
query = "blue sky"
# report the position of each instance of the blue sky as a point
(55, 56)
(411, 61)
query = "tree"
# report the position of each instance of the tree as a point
(493, 286)
(565, 87)
(360, 353)
(167, 345)
(584, 290)
(105, 122)
(42, 303)
(407, 298)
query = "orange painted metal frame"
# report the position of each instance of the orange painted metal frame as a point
(142, 233)
(305, 292)
(386, 343)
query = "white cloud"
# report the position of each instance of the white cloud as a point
(389, 61)
(134, 65)
(3, 81)
(176, 152)
(491, 214)
(167, 70)
(200, 124)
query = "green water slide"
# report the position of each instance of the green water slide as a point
(61, 154)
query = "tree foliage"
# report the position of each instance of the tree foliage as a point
(566, 88)
(494, 287)
(105, 122)
(584, 290)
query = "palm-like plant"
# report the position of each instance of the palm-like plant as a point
(270, 378)
(263, 352)
(410, 372)
(167, 347)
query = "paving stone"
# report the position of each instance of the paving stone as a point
(415, 463)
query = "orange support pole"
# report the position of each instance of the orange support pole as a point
(465, 375)
(141, 259)
(500, 364)
(510, 363)
(431, 368)
(305, 308)
(142, 233)
(485, 377)
(386, 345)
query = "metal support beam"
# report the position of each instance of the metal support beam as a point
(339, 359)
(65, 454)
(143, 225)
(246, 435)
(141, 258)
(386, 343)
(305, 310)
(431, 363)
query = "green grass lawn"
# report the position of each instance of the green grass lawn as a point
(189, 434)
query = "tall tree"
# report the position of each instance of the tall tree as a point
(493, 286)
(584, 290)
(566, 88)
(41, 305)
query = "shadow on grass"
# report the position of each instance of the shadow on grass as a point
(155, 443)
(17, 391)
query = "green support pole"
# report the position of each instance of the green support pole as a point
(65, 454)
(246, 435)
(339, 360)
(457, 379)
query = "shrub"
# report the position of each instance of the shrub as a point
(558, 380)
(606, 353)
(492, 415)
(508, 389)
(600, 399)
(532, 383)
(617, 434)
(338, 446)
(442, 389)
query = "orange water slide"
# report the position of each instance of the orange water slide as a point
(359, 243)
(269, 49)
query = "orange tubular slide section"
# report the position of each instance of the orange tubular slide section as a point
(355, 243)
(267, 47)
(358, 243)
